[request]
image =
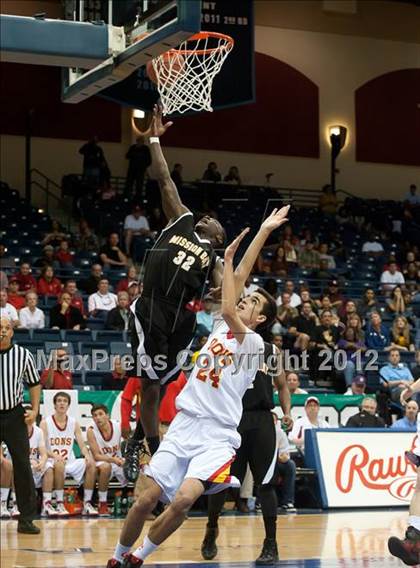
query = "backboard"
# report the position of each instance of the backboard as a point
(151, 27)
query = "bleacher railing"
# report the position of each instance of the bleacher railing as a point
(49, 197)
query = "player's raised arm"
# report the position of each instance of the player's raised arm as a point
(171, 202)
(409, 391)
(229, 311)
(277, 218)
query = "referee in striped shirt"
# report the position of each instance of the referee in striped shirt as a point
(16, 367)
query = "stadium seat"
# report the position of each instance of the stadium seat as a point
(111, 335)
(95, 323)
(51, 345)
(33, 346)
(86, 347)
(76, 336)
(120, 348)
(78, 378)
(21, 334)
(94, 378)
(47, 335)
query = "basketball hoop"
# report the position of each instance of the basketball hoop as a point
(184, 76)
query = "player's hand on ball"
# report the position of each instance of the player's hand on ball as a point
(233, 247)
(30, 417)
(276, 219)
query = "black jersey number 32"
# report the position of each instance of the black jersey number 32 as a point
(185, 261)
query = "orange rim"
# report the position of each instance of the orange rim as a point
(230, 42)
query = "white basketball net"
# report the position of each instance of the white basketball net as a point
(185, 75)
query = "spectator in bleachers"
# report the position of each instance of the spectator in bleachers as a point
(367, 417)
(373, 246)
(65, 316)
(349, 309)
(411, 196)
(328, 202)
(139, 160)
(136, 229)
(4, 281)
(205, 317)
(367, 303)
(102, 301)
(48, 284)
(176, 175)
(289, 288)
(7, 310)
(306, 236)
(6, 261)
(310, 420)
(326, 338)
(76, 299)
(290, 253)
(104, 441)
(333, 292)
(286, 313)
(31, 317)
(56, 235)
(93, 159)
(118, 317)
(117, 378)
(351, 343)
(111, 255)
(13, 297)
(63, 254)
(409, 420)
(27, 282)
(395, 303)
(377, 334)
(212, 173)
(124, 283)
(277, 340)
(358, 386)
(303, 326)
(90, 285)
(410, 258)
(400, 335)
(55, 376)
(157, 220)
(293, 384)
(48, 258)
(278, 265)
(395, 376)
(415, 367)
(391, 278)
(412, 276)
(86, 240)
(285, 469)
(134, 290)
(305, 296)
(233, 176)
(308, 257)
(325, 304)
(323, 255)
(322, 272)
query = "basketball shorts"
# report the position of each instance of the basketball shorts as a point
(258, 447)
(38, 475)
(160, 333)
(197, 448)
(76, 469)
(117, 472)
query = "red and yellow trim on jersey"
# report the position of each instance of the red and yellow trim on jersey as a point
(222, 475)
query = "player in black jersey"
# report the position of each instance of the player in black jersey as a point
(175, 272)
(259, 450)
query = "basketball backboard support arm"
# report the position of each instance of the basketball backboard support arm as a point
(79, 86)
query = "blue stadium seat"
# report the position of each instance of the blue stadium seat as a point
(47, 335)
(76, 336)
(78, 378)
(120, 348)
(51, 345)
(94, 378)
(86, 347)
(111, 335)
(20, 334)
(95, 323)
(33, 346)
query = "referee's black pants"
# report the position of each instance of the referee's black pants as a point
(14, 433)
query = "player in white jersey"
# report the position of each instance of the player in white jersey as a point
(6, 474)
(408, 550)
(60, 431)
(199, 447)
(104, 439)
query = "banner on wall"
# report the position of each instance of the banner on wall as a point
(361, 467)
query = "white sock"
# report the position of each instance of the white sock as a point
(103, 496)
(59, 495)
(120, 550)
(46, 497)
(414, 521)
(4, 493)
(87, 496)
(146, 549)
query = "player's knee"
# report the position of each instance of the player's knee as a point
(145, 503)
(59, 466)
(182, 503)
(104, 469)
(91, 467)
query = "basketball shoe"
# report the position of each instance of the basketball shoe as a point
(48, 510)
(103, 510)
(89, 510)
(4, 511)
(209, 546)
(15, 513)
(269, 553)
(408, 550)
(60, 510)
(131, 561)
(133, 450)
(113, 563)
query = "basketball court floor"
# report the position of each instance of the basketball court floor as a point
(339, 539)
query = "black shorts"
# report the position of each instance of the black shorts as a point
(258, 447)
(160, 332)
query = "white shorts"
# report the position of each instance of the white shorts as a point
(38, 475)
(198, 448)
(76, 469)
(116, 471)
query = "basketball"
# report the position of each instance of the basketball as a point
(172, 65)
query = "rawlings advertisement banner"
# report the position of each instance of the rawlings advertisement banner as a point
(362, 467)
